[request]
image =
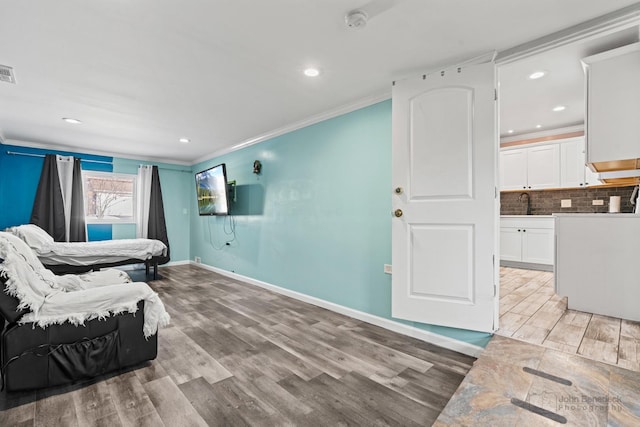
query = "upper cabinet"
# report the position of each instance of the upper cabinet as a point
(557, 164)
(543, 166)
(531, 168)
(513, 169)
(613, 108)
(573, 169)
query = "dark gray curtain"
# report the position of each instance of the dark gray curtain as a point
(48, 207)
(157, 224)
(77, 226)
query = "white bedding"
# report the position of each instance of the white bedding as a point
(130, 248)
(75, 299)
(86, 253)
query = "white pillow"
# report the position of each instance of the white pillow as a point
(33, 236)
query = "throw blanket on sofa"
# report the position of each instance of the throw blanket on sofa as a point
(58, 299)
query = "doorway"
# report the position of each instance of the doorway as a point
(541, 105)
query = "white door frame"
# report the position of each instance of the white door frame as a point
(613, 22)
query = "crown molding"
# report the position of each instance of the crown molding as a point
(58, 147)
(329, 114)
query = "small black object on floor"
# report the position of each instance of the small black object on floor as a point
(140, 275)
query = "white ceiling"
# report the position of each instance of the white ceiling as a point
(525, 103)
(141, 74)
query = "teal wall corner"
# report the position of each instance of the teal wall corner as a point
(176, 184)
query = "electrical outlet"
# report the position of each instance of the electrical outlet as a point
(565, 203)
(387, 268)
(597, 202)
(198, 260)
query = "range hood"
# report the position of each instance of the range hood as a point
(618, 172)
(613, 109)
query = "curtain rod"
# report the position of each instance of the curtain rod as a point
(167, 169)
(16, 153)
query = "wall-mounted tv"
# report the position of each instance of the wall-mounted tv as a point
(211, 191)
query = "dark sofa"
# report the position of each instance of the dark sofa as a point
(32, 357)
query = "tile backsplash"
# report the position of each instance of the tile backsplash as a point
(546, 202)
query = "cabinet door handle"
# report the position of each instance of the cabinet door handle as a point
(524, 231)
(518, 230)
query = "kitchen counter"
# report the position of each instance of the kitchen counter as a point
(597, 215)
(596, 263)
(526, 216)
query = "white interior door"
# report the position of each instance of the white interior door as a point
(444, 234)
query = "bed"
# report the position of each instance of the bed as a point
(80, 257)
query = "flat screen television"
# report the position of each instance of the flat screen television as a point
(211, 191)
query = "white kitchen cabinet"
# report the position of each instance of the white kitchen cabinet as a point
(510, 244)
(537, 245)
(613, 105)
(532, 168)
(573, 170)
(543, 166)
(527, 239)
(513, 169)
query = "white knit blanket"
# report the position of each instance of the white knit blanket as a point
(55, 299)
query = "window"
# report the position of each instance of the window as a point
(109, 197)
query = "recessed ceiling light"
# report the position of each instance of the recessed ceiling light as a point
(312, 72)
(559, 108)
(510, 131)
(537, 75)
(72, 121)
(538, 126)
(185, 140)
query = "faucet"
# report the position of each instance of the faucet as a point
(528, 197)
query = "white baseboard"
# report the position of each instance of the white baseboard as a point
(411, 331)
(172, 263)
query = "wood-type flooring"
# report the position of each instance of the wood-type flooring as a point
(237, 355)
(531, 311)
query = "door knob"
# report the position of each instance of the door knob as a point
(398, 213)
(398, 190)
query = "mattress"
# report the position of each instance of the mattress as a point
(102, 252)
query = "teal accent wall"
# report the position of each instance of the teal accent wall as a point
(96, 232)
(318, 218)
(177, 186)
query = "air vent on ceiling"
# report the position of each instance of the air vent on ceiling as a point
(6, 74)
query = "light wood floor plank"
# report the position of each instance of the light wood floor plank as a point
(172, 406)
(523, 316)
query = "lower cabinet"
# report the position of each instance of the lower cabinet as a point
(528, 239)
